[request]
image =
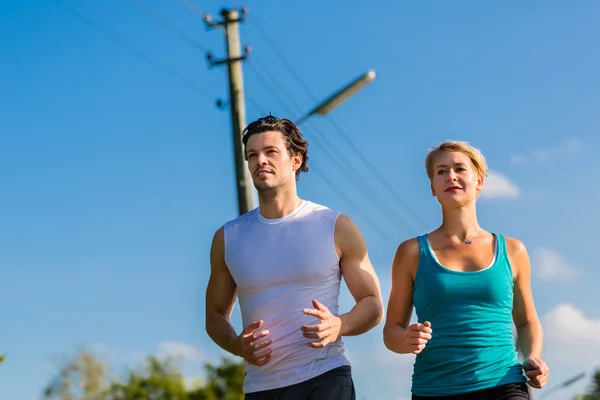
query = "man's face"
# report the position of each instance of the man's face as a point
(270, 162)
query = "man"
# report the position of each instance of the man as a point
(285, 260)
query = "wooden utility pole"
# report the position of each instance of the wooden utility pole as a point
(230, 21)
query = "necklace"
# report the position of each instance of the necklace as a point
(468, 240)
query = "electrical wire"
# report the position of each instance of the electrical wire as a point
(345, 166)
(168, 26)
(135, 51)
(192, 7)
(336, 126)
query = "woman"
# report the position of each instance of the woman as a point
(468, 286)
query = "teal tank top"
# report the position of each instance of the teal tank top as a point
(472, 346)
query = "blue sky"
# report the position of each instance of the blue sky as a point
(115, 174)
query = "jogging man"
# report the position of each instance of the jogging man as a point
(284, 261)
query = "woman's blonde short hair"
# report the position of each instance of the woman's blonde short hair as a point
(477, 159)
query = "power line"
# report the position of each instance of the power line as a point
(290, 97)
(343, 195)
(371, 192)
(345, 166)
(267, 84)
(337, 128)
(374, 171)
(357, 210)
(135, 51)
(282, 58)
(184, 37)
(168, 26)
(192, 7)
(256, 105)
(197, 46)
(328, 181)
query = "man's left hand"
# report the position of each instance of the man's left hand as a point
(327, 331)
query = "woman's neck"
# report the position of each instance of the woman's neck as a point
(460, 223)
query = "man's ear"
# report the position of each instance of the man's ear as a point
(296, 161)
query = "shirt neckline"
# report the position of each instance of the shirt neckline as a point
(272, 221)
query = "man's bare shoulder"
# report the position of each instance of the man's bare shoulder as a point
(344, 223)
(349, 241)
(217, 249)
(346, 229)
(219, 236)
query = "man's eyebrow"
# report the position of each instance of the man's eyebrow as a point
(264, 148)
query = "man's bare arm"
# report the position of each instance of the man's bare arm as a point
(360, 277)
(220, 299)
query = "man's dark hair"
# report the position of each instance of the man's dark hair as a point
(293, 137)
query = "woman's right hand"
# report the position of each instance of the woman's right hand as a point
(416, 336)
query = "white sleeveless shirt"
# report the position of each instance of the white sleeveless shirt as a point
(280, 266)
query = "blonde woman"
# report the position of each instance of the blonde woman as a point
(468, 287)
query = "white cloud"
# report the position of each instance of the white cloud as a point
(180, 350)
(499, 186)
(548, 265)
(571, 147)
(570, 336)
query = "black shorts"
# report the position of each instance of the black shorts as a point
(510, 391)
(336, 384)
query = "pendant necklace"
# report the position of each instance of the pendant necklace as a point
(468, 240)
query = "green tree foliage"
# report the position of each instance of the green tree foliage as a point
(224, 382)
(594, 390)
(84, 378)
(81, 378)
(159, 380)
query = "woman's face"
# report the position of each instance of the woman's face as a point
(455, 182)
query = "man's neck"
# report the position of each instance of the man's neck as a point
(278, 205)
